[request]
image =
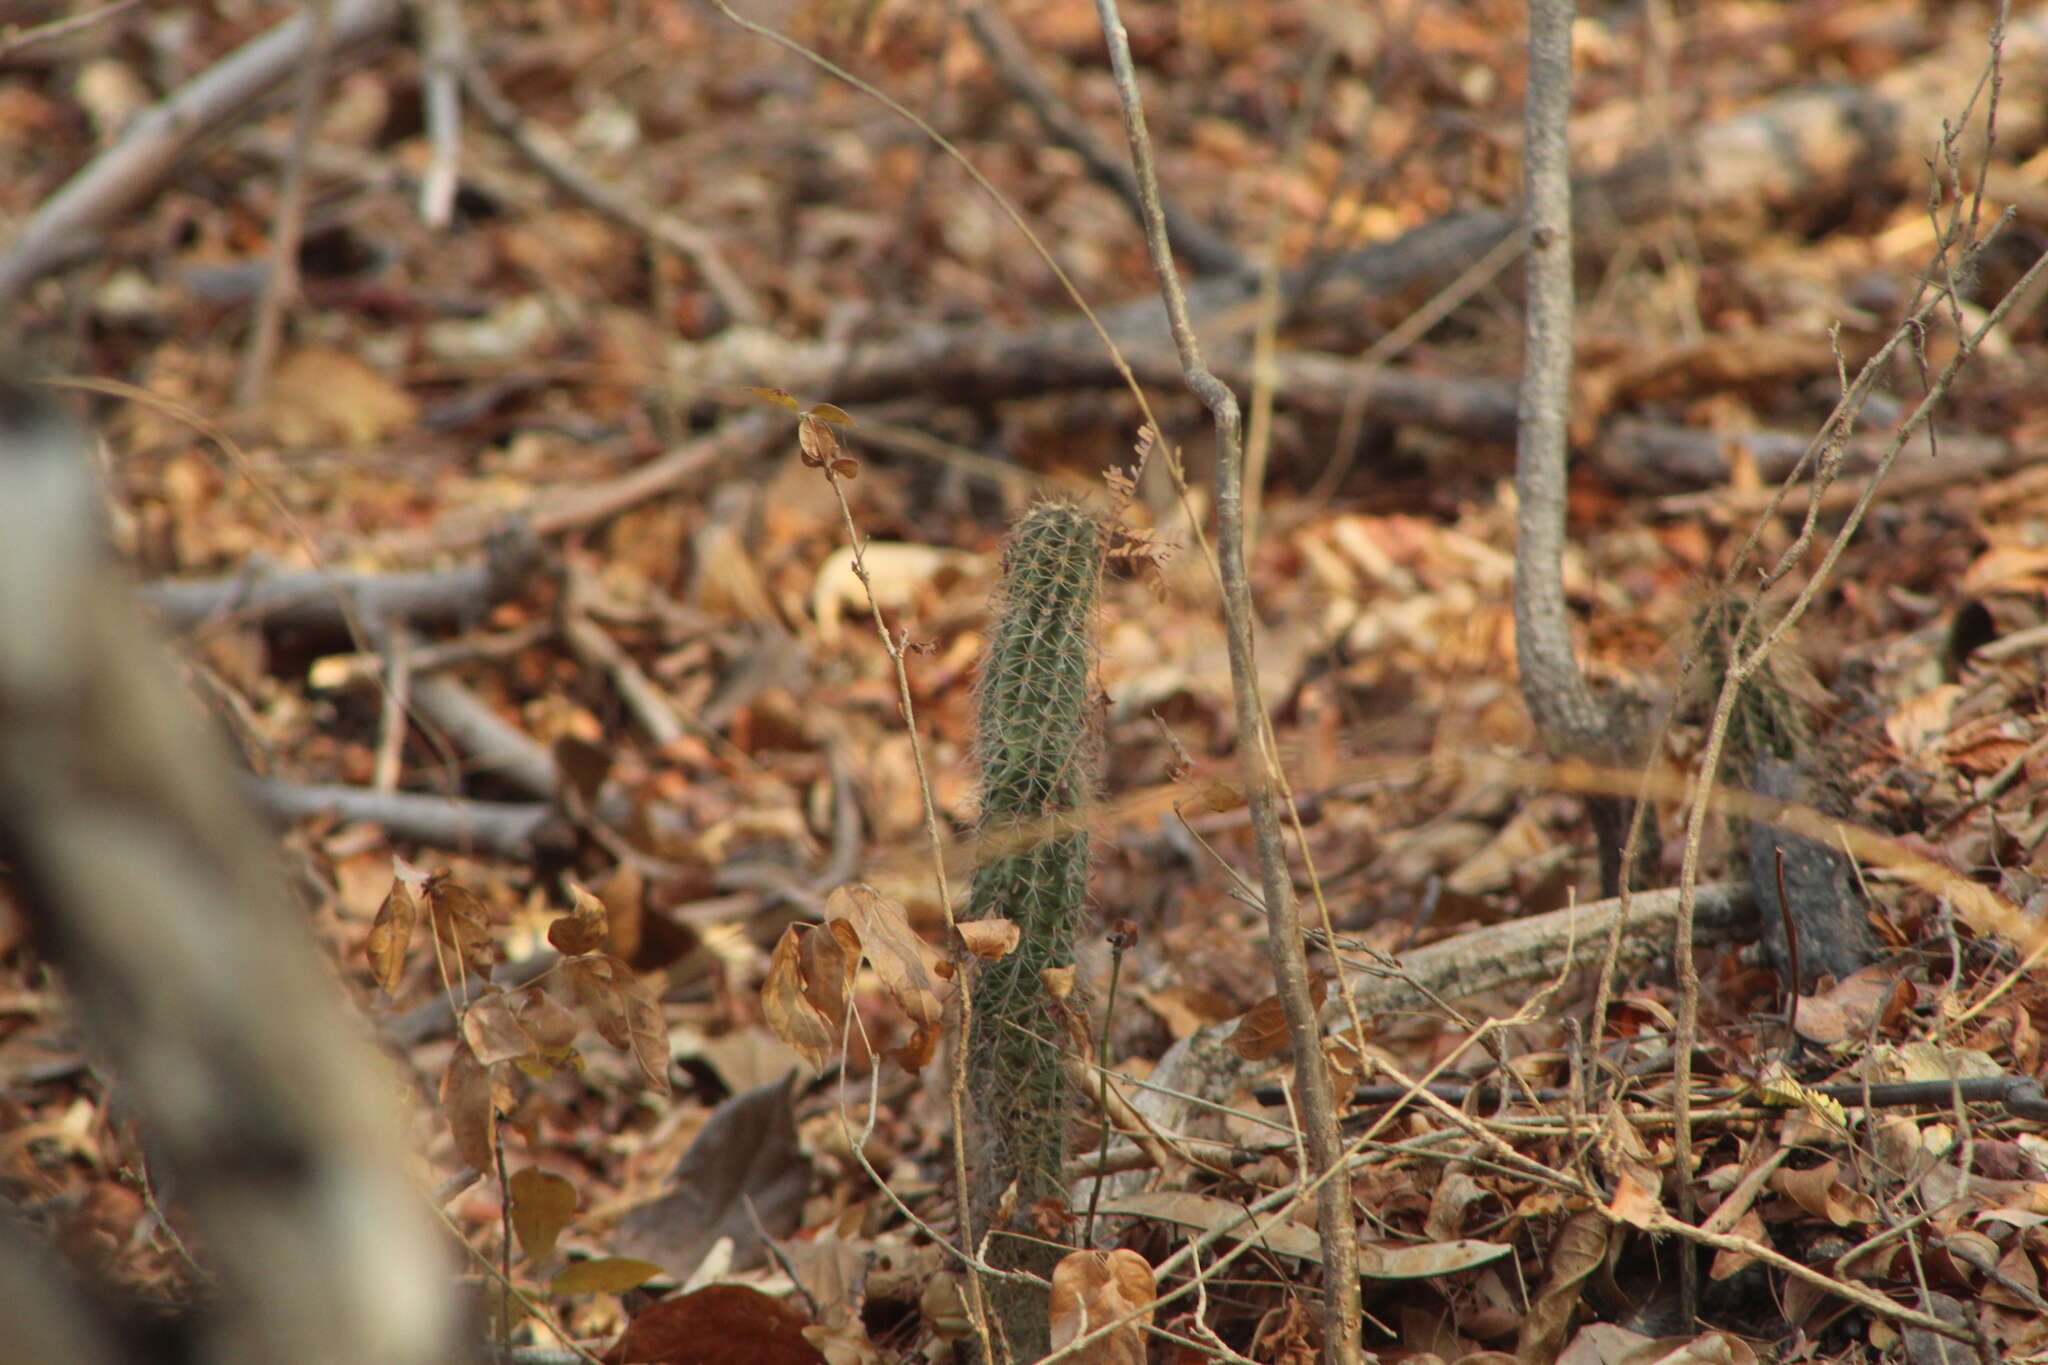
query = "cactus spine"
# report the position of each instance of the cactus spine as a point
(1039, 742)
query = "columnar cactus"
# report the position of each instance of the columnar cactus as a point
(1039, 740)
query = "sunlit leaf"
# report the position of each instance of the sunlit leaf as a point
(604, 1275)
(990, 938)
(779, 397)
(831, 412)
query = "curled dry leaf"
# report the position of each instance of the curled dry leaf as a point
(830, 955)
(467, 1103)
(1091, 1290)
(787, 1006)
(542, 1205)
(817, 442)
(491, 1031)
(903, 960)
(584, 929)
(1262, 1033)
(391, 935)
(989, 938)
(832, 412)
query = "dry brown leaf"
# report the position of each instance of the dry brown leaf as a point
(461, 921)
(551, 1024)
(787, 1006)
(1633, 1203)
(1820, 1192)
(1575, 1253)
(830, 956)
(831, 412)
(737, 1322)
(492, 1032)
(597, 980)
(989, 938)
(584, 929)
(646, 1030)
(542, 1205)
(1090, 1290)
(1227, 1216)
(1420, 1260)
(468, 1103)
(900, 957)
(1262, 1033)
(745, 1176)
(820, 446)
(391, 935)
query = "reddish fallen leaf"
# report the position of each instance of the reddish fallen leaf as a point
(1262, 1033)
(720, 1324)
(787, 1006)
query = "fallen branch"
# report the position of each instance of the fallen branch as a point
(520, 830)
(319, 600)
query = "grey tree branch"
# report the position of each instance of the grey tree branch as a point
(1325, 1147)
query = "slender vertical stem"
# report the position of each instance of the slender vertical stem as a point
(1313, 1090)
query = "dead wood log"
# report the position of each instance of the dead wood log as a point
(323, 601)
(146, 882)
(68, 225)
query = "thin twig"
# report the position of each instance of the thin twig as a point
(14, 41)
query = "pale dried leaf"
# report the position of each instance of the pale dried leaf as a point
(1091, 1290)
(492, 1032)
(989, 938)
(391, 935)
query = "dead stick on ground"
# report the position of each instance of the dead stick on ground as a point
(1325, 1149)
